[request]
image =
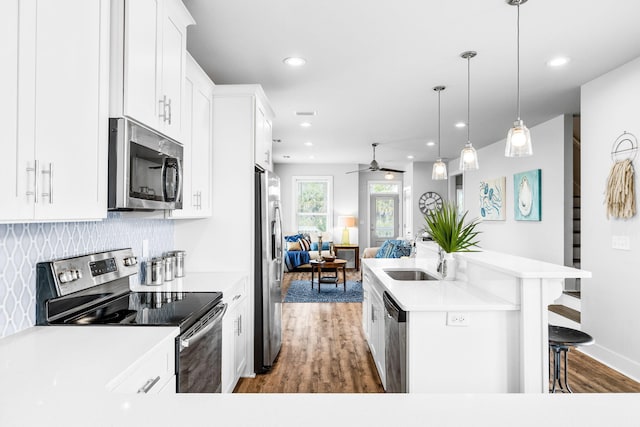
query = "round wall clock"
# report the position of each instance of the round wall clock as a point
(430, 202)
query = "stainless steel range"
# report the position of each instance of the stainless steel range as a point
(94, 290)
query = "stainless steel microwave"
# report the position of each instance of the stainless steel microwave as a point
(145, 168)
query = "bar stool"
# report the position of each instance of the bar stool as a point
(561, 340)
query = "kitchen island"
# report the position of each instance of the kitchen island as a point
(486, 331)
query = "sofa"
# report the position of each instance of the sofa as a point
(301, 247)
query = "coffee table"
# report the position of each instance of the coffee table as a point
(330, 266)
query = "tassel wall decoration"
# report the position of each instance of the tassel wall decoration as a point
(620, 195)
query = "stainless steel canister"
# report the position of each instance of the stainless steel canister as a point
(178, 270)
(156, 271)
(145, 272)
(168, 268)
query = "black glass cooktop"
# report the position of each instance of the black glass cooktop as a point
(150, 308)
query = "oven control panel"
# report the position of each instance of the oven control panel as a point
(83, 272)
(103, 266)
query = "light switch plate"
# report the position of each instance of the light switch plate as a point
(621, 242)
(456, 318)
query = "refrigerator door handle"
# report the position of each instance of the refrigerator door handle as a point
(276, 238)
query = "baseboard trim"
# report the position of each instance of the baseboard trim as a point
(615, 361)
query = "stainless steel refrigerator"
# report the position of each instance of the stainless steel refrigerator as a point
(268, 270)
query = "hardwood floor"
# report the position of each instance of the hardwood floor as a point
(324, 351)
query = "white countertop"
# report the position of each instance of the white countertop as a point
(432, 295)
(193, 282)
(525, 268)
(52, 359)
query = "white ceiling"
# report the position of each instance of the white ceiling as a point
(372, 64)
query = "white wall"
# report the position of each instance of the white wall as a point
(542, 240)
(345, 193)
(609, 106)
(422, 183)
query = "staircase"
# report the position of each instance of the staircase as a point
(566, 310)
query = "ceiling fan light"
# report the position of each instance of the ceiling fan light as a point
(468, 158)
(388, 175)
(518, 141)
(439, 171)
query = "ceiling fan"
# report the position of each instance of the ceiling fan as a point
(374, 166)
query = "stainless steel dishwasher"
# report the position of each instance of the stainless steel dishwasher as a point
(395, 345)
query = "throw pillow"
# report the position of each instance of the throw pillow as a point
(293, 238)
(401, 248)
(294, 246)
(325, 246)
(385, 250)
(394, 249)
(304, 244)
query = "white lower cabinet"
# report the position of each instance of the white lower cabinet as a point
(151, 374)
(373, 321)
(234, 336)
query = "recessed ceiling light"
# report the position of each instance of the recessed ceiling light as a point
(461, 124)
(286, 156)
(294, 61)
(430, 144)
(305, 124)
(308, 143)
(410, 156)
(312, 157)
(305, 113)
(558, 62)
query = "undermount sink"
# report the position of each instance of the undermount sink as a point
(410, 275)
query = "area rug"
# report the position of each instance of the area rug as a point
(300, 291)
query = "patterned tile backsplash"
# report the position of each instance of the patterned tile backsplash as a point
(24, 245)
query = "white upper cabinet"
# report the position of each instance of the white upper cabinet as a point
(55, 114)
(263, 138)
(148, 60)
(197, 139)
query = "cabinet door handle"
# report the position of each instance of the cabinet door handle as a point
(149, 385)
(237, 297)
(267, 157)
(50, 173)
(34, 169)
(240, 325)
(169, 106)
(163, 108)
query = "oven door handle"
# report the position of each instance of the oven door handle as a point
(192, 338)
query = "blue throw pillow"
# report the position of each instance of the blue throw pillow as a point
(385, 249)
(293, 238)
(325, 246)
(394, 249)
(400, 249)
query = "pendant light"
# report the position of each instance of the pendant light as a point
(518, 138)
(439, 168)
(468, 155)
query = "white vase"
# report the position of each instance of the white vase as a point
(447, 266)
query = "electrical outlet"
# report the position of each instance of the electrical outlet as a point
(621, 242)
(457, 318)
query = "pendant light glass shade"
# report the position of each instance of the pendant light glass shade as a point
(468, 155)
(439, 172)
(468, 158)
(518, 137)
(518, 141)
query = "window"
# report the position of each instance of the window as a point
(313, 203)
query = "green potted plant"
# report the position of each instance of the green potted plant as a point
(448, 229)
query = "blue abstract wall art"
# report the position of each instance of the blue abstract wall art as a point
(527, 190)
(492, 199)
